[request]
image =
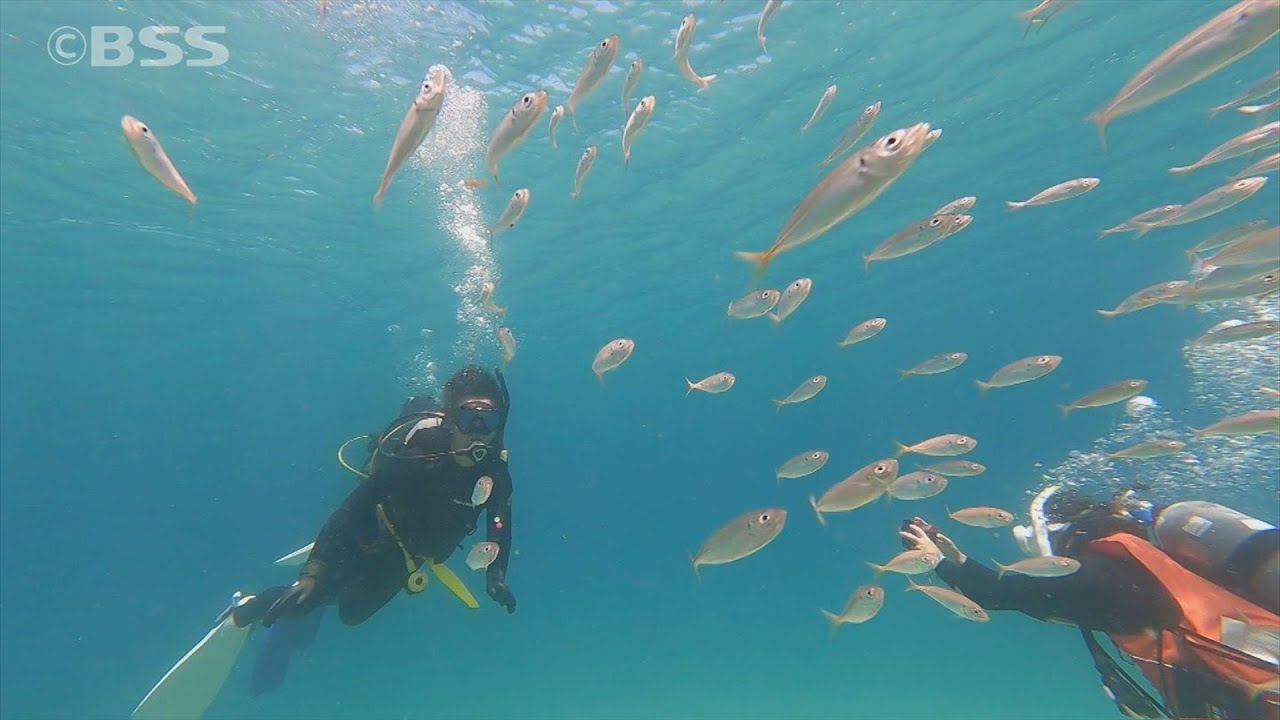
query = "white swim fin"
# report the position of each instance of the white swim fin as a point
(297, 557)
(190, 686)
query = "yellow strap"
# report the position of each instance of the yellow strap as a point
(455, 585)
(408, 557)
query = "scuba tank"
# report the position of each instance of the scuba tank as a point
(1224, 546)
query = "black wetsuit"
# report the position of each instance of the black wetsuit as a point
(357, 563)
(1108, 595)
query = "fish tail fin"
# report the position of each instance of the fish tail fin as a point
(759, 259)
(705, 81)
(813, 502)
(1065, 409)
(902, 449)
(840, 344)
(1108, 314)
(573, 195)
(903, 374)
(377, 197)
(1100, 120)
(866, 263)
(599, 377)
(911, 585)
(834, 620)
(777, 405)
(1003, 568)
(693, 562)
(1014, 204)
(1213, 111)
(1192, 257)
(1199, 433)
(690, 384)
(983, 387)
(775, 319)
(878, 568)
(1183, 170)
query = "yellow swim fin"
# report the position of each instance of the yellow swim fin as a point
(455, 585)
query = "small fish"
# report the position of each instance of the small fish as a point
(1057, 193)
(635, 125)
(940, 446)
(1021, 371)
(1229, 36)
(1209, 204)
(482, 555)
(514, 127)
(1254, 422)
(584, 166)
(918, 485)
(909, 562)
(1109, 395)
(1223, 238)
(1262, 246)
(1259, 109)
(1146, 216)
(713, 384)
(863, 487)
(770, 7)
(1266, 166)
(862, 605)
(952, 600)
(806, 463)
(1246, 143)
(959, 206)
(1049, 566)
(863, 331)
(480, 493)
(1148, 449)
(853, 133)
(857, 181)
(593, 73)
(629, 87)
(982, 517)
(1232, 275)
(511, 214)
(1270, 392)
(151, 156)
(1165, 292)
(486, 299)
(508, 343)
(1265, 87)
(792, 296)
(821, 109)
(613, 354)
(956, 468)
(684, 37)
(917, 237)
(1261, 285)
(935, 365)
(417, 122)
(743, 536)
(806, 391)
(556, 116)
(754, 304)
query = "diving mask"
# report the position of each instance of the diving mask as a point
(476, 417)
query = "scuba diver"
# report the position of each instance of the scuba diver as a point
(1190, 592)
(429, 476)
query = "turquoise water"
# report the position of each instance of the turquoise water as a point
(174, 382)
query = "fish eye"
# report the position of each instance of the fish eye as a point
(765, 517)
(881, 469)
(604, 43)
(1042, 360)
(1242, 184)
(963, 441)
(870, 109)
(816, 455)
(815, 380)
(935, 222)
(528, 99)
(955, 356)
(145, 129)
(426, 87)
(891, 141)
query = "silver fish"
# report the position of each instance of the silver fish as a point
(1259, 109)
(863, 331)
(1246, 143)
(514, 127)
(1021, 371)
(1265, 87)
(1057, 193)
(935, 365)
(982, 517)
(1109, 395)
(806, 391)
(1261, 285)
(480, 493)
(1226, 237)
(712, 384)
(853, 133)
(1254, 422)
(418, 121)
(1211, 203)
(1229, 36)
(611, 356)
(1223, 334)
(633, 79)
(821, 109)
(684, 37)
(909, 562)
(1148, 449)
(511, 214)
(556, 116)
(957, 206)
(151, 156)
(487, 302)
(916, 237)
(792, 296)
(593, 73)
(956, 468)
(1266, 166)
(857, 181)
(804, 464)
(584, 166)
(1146, 216)
(863, 604)
(754, 304)
(743, 536)
(1049, 566)
(951, 600)
(1165, 292)
(864, 486)
(770, 7)
(508, 343)
(635, 125)
(948, 445)
(1260, 246)
(918, 485)
(1232, 275)
(482, 555)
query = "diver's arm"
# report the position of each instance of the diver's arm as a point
(337, 544)
(499, 531)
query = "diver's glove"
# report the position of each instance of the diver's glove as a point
(291, 602)
(501, 595)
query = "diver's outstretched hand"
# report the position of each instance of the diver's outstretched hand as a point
(501, 595)
(291, 601)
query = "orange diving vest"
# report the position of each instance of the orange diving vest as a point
(1195, 644)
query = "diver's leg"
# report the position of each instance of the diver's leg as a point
(383, 576)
